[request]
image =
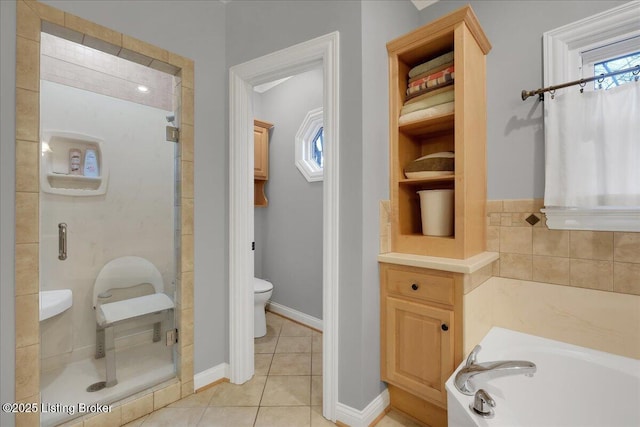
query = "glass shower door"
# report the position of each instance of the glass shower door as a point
(108, 216)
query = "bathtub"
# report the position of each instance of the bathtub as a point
(573, 386)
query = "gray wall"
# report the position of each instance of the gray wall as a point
(515, 133)
(382, 21)
(7, 203)
(288, 232)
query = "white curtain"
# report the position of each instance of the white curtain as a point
(592, 142)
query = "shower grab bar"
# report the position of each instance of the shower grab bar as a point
(62, 241)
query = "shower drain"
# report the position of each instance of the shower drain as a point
(97, 386)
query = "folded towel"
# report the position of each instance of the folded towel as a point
(432, 76)
(426, 113)
(426, 92)
(441, 78)
(435, 164)
(430, 65)
(434, 70)
(429, 101)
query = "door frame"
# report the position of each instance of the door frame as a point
(242, 78)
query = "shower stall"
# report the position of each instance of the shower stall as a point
(109, 227)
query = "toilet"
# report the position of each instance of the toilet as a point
(262, 291)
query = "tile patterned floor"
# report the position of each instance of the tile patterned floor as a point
(286, 390)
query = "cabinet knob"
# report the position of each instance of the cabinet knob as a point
(414, 287)
(444, 327)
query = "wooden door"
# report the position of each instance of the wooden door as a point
(261, 153)
(419, 348)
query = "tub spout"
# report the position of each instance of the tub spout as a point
(489, 370)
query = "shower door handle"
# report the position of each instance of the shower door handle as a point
(62, 241)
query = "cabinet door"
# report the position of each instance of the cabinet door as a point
(419, 351)
(261, 153)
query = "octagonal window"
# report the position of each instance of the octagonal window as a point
(309, 150)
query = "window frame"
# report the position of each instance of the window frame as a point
(562, 54)
(307, 132)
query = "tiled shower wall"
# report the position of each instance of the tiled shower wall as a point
(602, 260)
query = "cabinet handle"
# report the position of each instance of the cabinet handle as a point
(444, 327)
(414, 287)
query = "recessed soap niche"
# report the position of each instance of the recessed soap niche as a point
(54, 164)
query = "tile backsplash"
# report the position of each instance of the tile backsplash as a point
(602, 260)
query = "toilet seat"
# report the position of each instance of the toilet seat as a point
(260, 286)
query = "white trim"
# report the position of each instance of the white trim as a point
(604, 219)
(309, 128)
(354, 418)
(421, 4)
(298, 316)
(242, 78)
(210, 376)
(562, 46)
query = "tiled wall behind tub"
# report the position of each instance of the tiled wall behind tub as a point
(602, 260)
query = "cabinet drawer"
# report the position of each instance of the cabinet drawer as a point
(418, 284)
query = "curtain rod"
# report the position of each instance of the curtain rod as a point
(527, 93)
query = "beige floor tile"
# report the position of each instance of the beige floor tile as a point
(316, 390)
(265, 344)
(138, 422)
(396, 419)
(284, 417)
(293, 344)
(316, 342)
(262, 363)
(174, 417)
(317, 420)
(287, 390)
(274, 319)
(272, 331)
(247, 394)
(316, 363)
(229, 416)
(292, 329)
(291, 364)
(196, 400)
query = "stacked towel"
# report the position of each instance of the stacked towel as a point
(430, 89)
(436, 164)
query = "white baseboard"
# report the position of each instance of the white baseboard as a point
(210, 375)
(355, 418)
(305, 319)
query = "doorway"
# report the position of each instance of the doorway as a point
(323, 50)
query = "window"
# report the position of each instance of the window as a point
(592, 46)
(616, 64)
(309, 150)
(316, 148)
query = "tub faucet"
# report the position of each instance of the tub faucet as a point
(489, 369)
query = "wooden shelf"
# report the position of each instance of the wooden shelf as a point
(420, 181)
(431, 125)
(462, 131)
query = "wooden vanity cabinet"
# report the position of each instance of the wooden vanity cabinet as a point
(260, 161)
(421, 337)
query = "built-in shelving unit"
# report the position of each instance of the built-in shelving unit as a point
(421, 291)
(462, 131)
(54, 165)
